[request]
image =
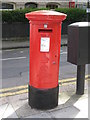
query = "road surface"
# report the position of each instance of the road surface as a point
(15, 67)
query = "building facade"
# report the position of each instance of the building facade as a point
(52, 4)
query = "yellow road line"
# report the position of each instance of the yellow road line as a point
(71, 79)
(26, 86)
(13, 88)
(26, 90)
(13, 93)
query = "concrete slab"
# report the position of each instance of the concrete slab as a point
(68, 112)
(20, 104)
(9, 112)
(3, 101)
(75, 107)
(18, 100)
(82, 105)
(25, 111)
(67, 88)
(68, 99)
(70, 105)
(40, 115)
(2, 110)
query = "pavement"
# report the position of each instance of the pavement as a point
(14, 101)
(70, 105)
(24, 43)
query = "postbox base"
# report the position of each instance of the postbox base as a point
(43, 99)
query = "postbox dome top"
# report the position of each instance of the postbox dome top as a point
(46, 15)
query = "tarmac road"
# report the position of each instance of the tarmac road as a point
(15, 67)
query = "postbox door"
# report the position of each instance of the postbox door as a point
(44, 58)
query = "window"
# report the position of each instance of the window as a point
(30, 5)
(7, 6)
(52, 5)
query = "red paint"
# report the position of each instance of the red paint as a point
(44, 66)
(71, 4)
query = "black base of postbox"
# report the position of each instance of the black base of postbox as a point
(43, 99)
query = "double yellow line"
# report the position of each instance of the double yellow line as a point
(24, 89)
(9, 91)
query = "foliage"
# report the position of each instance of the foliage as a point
(73, 14)
(16, 15)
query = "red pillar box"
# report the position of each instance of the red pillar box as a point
(45, 41)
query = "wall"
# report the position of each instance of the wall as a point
(20, 30)
(15, 30)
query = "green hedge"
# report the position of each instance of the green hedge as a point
(16, 15)
(73, 15)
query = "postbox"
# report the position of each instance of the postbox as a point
(45, 39)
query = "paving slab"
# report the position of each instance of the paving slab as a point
(41, 115)
(68, 112)
(70, 105)
(68, 99)
(25, 110)
(82, 105)
(18, 101)
(3, 101)
(75, 107)
(2, 110)
(20, 104)
(9, 112)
